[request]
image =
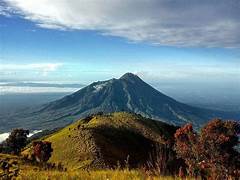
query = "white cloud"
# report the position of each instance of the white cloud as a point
(175, 23)
(188, 72)
(42, 68)
(4, 10)
(4, 136)
(26, 90)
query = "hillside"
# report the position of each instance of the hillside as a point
(28, 171)
(128, 93)
(104, 141)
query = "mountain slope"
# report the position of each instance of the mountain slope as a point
(103, 141)
(129, 93)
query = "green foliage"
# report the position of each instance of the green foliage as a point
(16, 141)
(93, 175)
(29, 171)
(100, 141)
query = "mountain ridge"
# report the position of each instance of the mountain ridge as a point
(106, 140)
(128, 93)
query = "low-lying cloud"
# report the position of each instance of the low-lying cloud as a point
(204, 23)
(4, 136)
(31, 90)
(41, 68)
(45, 67)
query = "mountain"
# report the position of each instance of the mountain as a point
(104, 141)
(128, 93)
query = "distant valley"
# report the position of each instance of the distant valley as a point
(129, 93)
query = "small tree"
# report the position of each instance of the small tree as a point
(218, 141)
(212, 152)
(42, 150)
(17, 140)
(187, 147)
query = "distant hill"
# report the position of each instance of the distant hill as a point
(103, 141)
(128, 93)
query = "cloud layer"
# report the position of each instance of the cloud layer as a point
(43, 68)
(204, 23)
(4, 136)
(30, 90)
(22, 70)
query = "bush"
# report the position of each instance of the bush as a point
(16, 141)
(162, 161)
(42, 150)
(211, 153)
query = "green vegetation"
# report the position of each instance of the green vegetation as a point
(127, 146)
(15, 142)
(102, 141)
(29, 171)
(93, 175)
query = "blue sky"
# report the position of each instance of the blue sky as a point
(52, 41)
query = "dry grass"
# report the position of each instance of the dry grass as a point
(77, 145)
(89, 175)
(74, 147)
(31, 172)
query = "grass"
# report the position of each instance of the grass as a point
(90, 175)
(77, 148)
(30, 172)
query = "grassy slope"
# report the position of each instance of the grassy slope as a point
(30, 172)
(21, 164)
(93, 175)
(77, 146)
(83, 143)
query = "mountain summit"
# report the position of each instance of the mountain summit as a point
(128, 93)
(130, 76)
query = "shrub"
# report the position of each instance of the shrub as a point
(16, 141)
(162, 161)
(187, 147)
(211, 153)
(218, 140)
(42, 150)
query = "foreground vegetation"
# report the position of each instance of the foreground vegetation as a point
(92, 175)
(29, 171)
(125, 146)
(109, 139)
